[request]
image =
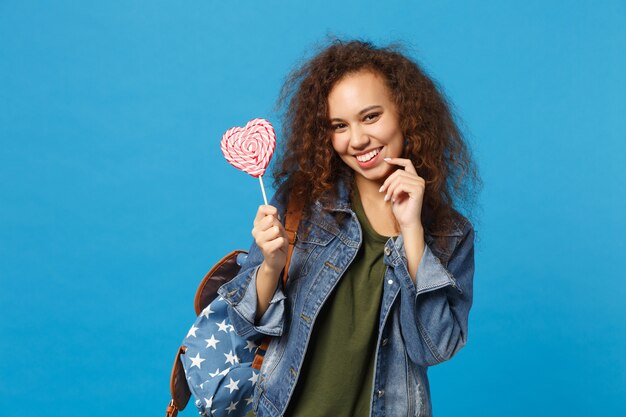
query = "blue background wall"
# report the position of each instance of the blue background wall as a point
(115, 198)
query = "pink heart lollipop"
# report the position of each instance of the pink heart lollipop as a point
(250, 148)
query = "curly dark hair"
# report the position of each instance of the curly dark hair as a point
(309, 166)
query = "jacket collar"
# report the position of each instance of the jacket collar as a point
(342, 200)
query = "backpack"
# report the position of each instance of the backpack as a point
(217, 366)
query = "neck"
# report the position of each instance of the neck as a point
(369, 190)
(378, 211)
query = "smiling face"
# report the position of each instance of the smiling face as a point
(365, 125)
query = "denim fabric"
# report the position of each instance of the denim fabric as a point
(421, 323)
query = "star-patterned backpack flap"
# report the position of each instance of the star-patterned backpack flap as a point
(222, 272)
(218, 364)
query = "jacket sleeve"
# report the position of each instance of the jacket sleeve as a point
(434, 309)
(241, 295)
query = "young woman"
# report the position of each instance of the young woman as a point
(380, 280)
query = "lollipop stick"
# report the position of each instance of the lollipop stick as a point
(263, 189)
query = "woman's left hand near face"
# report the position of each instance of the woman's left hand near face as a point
(405, 190)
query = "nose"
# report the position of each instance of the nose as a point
(359, 138)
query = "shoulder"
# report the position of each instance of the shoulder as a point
(455, 225)
(445, 241)
(462, 225)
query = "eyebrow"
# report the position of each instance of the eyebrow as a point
(365, 110)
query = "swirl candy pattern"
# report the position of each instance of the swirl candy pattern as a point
(250, 148)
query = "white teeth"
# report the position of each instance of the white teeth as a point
(368, 156)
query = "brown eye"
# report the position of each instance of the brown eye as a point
(372, 116)
(339, 126)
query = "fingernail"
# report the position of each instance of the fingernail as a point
(380, 190)
(386, 159)
(387, 197)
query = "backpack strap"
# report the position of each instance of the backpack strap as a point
(178, 386)
(221, 272)
(292, 221)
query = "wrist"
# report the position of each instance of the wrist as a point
(269, 271)
(412, 229)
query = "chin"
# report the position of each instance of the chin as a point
(376, 175)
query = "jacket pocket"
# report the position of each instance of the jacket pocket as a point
(311, 240)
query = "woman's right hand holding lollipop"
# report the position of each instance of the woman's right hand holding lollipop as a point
(271, 238)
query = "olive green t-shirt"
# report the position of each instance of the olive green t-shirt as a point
(337, 374)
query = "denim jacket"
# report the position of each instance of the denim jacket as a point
(421, 323)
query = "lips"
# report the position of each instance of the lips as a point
(368, 156)
(369, 159)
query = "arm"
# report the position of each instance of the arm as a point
(436, 302)
(414, 246)
(255, 295)
(266, 286)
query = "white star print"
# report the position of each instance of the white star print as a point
(231, 328)
(192, 331)
(207, 311)
(232, 385)
(209, 402)
(249, 400)
(232, 407)
(214, 374)
(225, 372)
(197, 361)
(230, 358)
(212, 342)
(250, 345)
(255, 376)
(223, 326)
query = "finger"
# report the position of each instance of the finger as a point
(271, 221)
(389, 180)
(410, 190)
(275, 245)
(394, 179)
(261, 233)
(265, 210)
(403, 184)
(394, 176)
(389, 193)
(263, 236)
(267, 222)
(263, 224)
(403, 162)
